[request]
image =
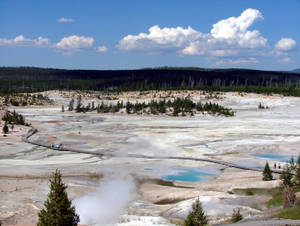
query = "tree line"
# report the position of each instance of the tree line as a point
(175, 107)
(30, 79)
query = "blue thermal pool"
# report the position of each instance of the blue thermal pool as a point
(189, 175)
(275, 157)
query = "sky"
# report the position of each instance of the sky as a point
(132, 34)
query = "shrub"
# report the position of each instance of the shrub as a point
(236, 216)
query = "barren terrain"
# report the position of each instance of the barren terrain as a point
(138, 189)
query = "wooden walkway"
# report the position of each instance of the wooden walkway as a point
(33, 131)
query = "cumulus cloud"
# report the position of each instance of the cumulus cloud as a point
(228, 37)
(65, 20)
(159, 38)
(20, 40)
(285, 44)
(75, 42)
(68, 45)
(101, 49)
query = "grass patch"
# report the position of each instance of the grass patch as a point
(275, 193)
(290, 213)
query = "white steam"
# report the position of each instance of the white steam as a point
(108, 203)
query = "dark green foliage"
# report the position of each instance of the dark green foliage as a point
(183, 106)
(5, 128)
(267, 173)
(296, 179)
(260, 106)
(197, 216)
(286, 176)
(29, 79)
(62, 108)
(236, 216)
(71, 105)
(20, 99)
(57, 208)
(292, 163)
(78, 105)
(14, 117)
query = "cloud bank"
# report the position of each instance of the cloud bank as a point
(231, 37)
(20, 40)
(67, 45)
(230, 41)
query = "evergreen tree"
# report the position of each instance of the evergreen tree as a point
(292, 163)
(267, 173)
(197, 216)
(5, 128)
(78, 106)
(57, 208)
(287, 176)
(71, 105)
(296, 179)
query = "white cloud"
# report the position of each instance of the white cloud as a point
(75, 42)
(102, 49)
(20, 40)
(285, 60)
(285, 44)
(65, 20)
(157, 38)
(228, 62)
(229, 37)
(67, 44)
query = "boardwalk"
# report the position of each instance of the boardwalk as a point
(33, 131)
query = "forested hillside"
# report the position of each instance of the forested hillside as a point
(28, 79)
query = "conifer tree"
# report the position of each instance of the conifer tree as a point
(287, 176)
(267, 173)
(296, 179)
(197, 216)
(5, 128)
(57, 208)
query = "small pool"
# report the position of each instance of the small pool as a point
(275, 157)
(189, 175)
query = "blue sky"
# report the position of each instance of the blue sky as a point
(120, 34)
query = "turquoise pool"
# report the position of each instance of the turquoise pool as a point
(189, 175)
(275, 157)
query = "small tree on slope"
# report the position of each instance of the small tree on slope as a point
(58, 210)
(197, 216)
(267, 173)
